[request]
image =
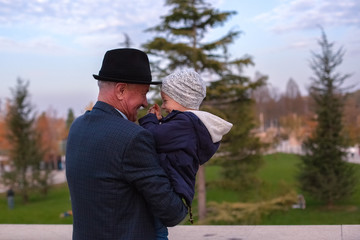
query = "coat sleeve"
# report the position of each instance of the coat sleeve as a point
(142, 170)
(149, 122)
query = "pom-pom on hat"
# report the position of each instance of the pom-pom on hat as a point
(185, 87)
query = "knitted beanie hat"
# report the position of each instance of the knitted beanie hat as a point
(185, 87)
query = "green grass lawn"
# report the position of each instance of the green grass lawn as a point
(40, 209)
(277, 174)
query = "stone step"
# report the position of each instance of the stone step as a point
(288, 232)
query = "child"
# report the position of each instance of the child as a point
(186, 137)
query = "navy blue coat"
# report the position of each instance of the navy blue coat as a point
(183, 143)
(116, 183)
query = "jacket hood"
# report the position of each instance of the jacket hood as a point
(216, 126)
(210, 129)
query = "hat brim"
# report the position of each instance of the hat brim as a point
(97, 77)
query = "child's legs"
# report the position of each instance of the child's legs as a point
(161, 230)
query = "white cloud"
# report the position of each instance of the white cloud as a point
(309, 14)
(64, 24)
(80, 16)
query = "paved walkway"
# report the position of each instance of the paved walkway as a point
(354, 159)
(315, 232)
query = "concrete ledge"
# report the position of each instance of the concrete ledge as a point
(293, 232)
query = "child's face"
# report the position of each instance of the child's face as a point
(169, 104)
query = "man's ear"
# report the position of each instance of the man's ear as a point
(120, 90)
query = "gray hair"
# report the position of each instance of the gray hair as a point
(105, 84)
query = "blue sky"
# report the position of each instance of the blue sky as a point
(58, 45)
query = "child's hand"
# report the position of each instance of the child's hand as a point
(155, 110)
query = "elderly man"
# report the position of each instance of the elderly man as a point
(115, 181)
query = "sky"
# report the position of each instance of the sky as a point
(56, 45)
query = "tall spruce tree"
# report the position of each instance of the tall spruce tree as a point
(25, 153)
(180, 44)
(324, 173)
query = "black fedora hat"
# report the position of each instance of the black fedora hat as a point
(125, 65)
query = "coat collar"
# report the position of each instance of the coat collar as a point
(107, 108)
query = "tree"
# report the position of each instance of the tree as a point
(4, 143)
(324, 174)
(292, 115)
(232, 95)
(48, 138)
(127, 41)
(352, 118)
(69, 119)
(292, 89)
(292, 99)
(25, 153)
(180, 44)
(48, 145)
(90, 106)
(267, 106)
(187, 24)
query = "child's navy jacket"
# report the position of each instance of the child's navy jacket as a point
(183, 143)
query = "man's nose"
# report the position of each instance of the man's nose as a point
(145, 103)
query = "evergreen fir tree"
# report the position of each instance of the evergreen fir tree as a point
(25, 153)
(324, 173)
(180, 44)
